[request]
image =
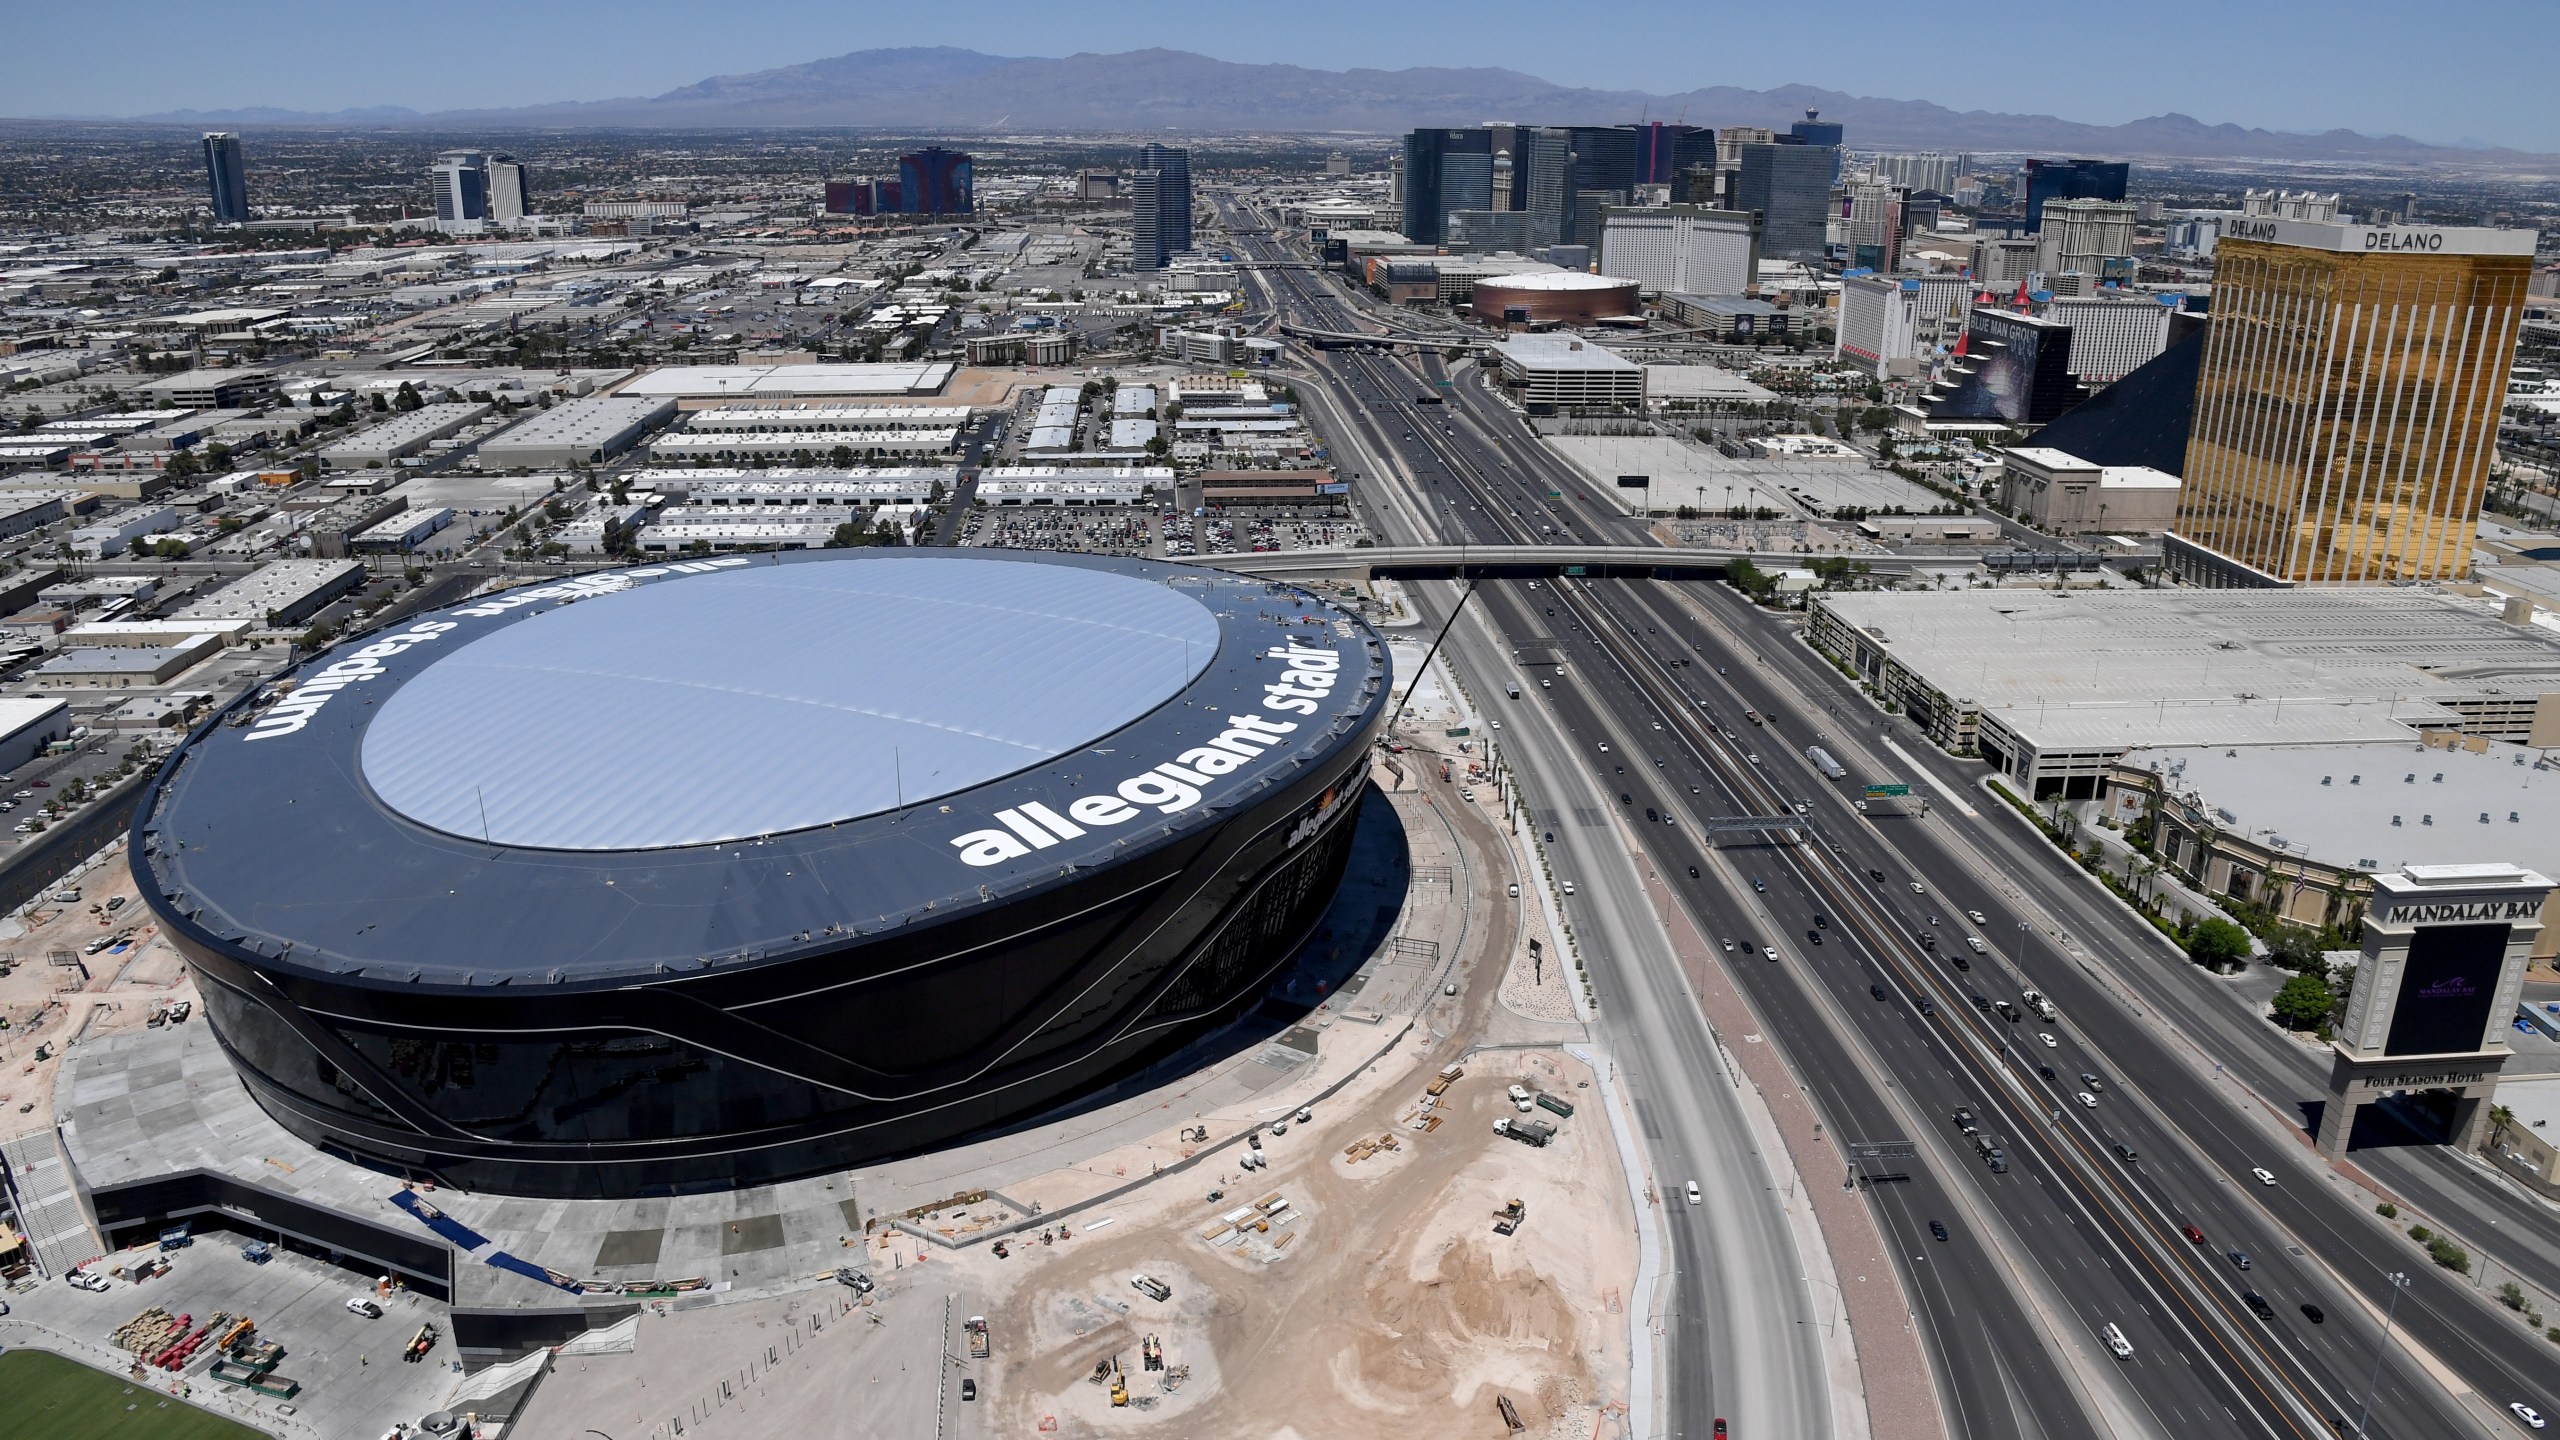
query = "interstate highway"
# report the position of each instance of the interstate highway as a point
(1740, 1322)
(2168, 1179)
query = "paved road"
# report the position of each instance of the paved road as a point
(1742, 1337)
(2216, 1363)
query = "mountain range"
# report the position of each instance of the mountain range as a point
(965, 92)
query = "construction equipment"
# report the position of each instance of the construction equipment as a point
(1119, 1385)
(1563, 1108)
(1101, 1372)
(1510, 1413)
(1151, 1353)
(419, 1345)
(979, 1345)
(1506, 1221)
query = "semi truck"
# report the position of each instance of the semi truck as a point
(1831, 769)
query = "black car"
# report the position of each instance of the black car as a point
(2045, 1070)
(1625, 799)
(1650, 814)
(1928, 1006)
(2314, 1314)
(1928, 942)
(968, 1389)
(1813, 935)
(1877, 991)
(2258, 1303)
(2124, 1152)
(1876, 875)
(1693, 872)
(1958, 961)
(1938, 1229)
(1822, 921)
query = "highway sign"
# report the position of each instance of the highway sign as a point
(1882, 1149)
(1893, 788)
(1635, 482)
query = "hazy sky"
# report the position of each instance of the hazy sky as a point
(2442, 70)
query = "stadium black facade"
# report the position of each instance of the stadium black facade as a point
(708, 874)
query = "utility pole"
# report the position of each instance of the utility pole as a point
(2399, 1282)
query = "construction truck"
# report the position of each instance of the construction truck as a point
(1527, 1132)
(979, 1346)
(1506, 1221)
(1151, 1353)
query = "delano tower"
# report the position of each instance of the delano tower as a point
(2348, 403)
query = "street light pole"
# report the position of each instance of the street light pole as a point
(2399, 1282)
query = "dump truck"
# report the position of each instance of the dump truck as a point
(1527, 1132)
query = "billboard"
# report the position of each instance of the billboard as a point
(2445, 989)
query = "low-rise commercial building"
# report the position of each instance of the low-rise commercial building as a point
(2301, 830)
(282, 593)
(401, 533)
(403, 435)
(115, 534)
(809, 419)
(1729, 318)
(2065, 495)
(153, 633)
(28, 725)
(788, 487)
(727, 445)
(577, 432)
(329, 530)
(125, 667)
(1059, 485)
(25, 510)
(210, 389)
(2051, 687)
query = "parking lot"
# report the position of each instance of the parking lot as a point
(348, 1367)
(1088, 529)
(1239, 533)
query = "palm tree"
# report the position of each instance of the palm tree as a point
(2500, 1117)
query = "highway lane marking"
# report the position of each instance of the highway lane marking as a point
(1942, 787)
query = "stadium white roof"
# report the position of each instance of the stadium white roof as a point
(774, 698)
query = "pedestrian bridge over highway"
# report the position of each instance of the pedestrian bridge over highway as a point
(1490, 562)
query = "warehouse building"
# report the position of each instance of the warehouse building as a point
(576, 432)
(403, 435)
(782, 486)
(401, 533)
(2051, 687)
(1057, 485)
(694, 387)
(824, 419)
(125, 667)
(25, 510)
(28, 725)
(727, 445)
(115, 535)
(285, 593)
(1553, 372)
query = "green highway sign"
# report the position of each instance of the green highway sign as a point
(1883, 792)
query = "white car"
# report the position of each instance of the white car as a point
(1769, 950)
(2049, 1042)
(2526, 1413)
(1604, 747)
(1568, 887)
(361, 1305)
(1976, 917)
(1916, 890)
(1693, 1192)
(1496, 724)
(2088, 1100)
(2265, 1176)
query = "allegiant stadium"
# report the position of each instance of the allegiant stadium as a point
(707, 874)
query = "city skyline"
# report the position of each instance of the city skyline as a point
(2433, 84)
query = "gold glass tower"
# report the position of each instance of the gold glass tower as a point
(2348, 402)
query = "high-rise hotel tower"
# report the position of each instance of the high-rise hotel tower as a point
(2348, 402)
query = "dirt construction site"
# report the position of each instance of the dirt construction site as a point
(1393, 1265)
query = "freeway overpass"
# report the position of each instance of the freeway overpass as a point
(1508, 562)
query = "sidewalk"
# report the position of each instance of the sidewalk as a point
(1897, 1392)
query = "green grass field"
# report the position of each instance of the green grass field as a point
(45, 1397)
